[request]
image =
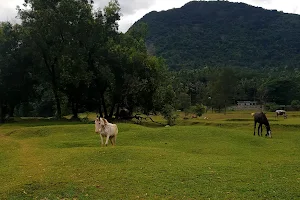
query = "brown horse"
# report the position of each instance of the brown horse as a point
(261, 119)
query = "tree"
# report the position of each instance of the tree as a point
(75, 76)
(282, 91)
(101, 42)
(199, 109)
(184, 102)
(72, 43)
(132, 76)
(168, 108)
(193, 82)
(44, 23)
(15, 61)
(223, 88)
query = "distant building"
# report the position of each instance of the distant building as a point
(247, 103)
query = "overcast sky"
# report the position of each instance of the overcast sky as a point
(133, 10)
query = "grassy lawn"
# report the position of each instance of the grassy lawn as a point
(214, 158)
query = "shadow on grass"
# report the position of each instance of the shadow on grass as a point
(247, 120)
(38, 121)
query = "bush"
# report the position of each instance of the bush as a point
(295, 104)
(271, 107)
(199, 109)
(169, 114)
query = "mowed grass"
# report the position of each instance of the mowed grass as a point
(218, 158)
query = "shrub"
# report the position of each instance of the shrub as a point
(169, 114)
(295, 104)
(199, 109)
(271, 107)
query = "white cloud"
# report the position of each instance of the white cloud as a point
(288, 6)
(133, 10)
(157, 5)
(8, 10)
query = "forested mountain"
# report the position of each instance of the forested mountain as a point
(221, 33)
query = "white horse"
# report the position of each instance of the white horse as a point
(106, 129)
(281, 112)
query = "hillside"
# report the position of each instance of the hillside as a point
(221, 33)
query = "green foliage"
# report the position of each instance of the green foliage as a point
(139, 31)
(295, 104)
(168, 109)
(169, 96)
(199, 109)
(15, 69)
(282, 90)
(221, 33)
(55, 34)
(168, 112)
(184, 101)
(271, 107)
(81, 61)
(222, 88)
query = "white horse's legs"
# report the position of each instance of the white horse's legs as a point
(107, 137)
(101, 137)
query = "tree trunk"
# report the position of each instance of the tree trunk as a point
(104, 105)
(57, 100)
(75, 110)
(112, 110)
(100, 109)
(1, 114)
(118, 111)
(51, 70)
(11, 110)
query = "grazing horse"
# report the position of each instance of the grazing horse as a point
(261, 119)
(281, 112)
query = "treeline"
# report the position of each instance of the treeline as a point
(65, 58)
(221, 87)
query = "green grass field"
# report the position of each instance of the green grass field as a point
(217, 158)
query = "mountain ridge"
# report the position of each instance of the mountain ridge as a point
(221, 33)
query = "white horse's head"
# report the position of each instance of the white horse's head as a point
(97, 124)
(103, 122)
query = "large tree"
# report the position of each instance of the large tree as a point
(223, 88)
(15, 62)
(57, 30)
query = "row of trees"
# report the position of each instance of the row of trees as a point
(221, 87)
(68, 57)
